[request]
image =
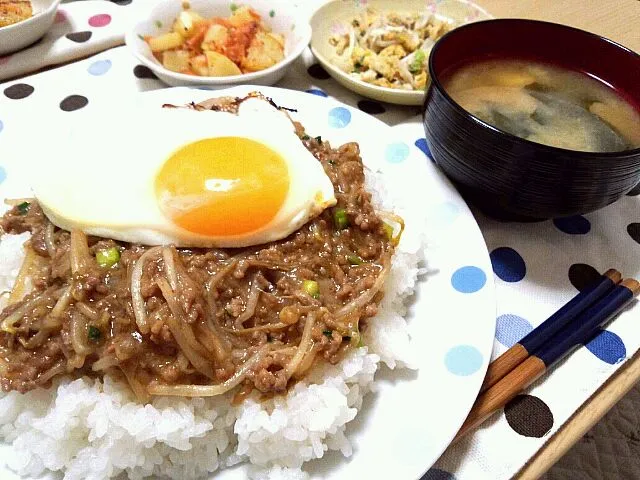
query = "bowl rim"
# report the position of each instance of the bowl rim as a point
(397, 92)
(620, 154)
(305, 38)
(53, 6)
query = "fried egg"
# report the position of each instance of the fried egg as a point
(184, 177)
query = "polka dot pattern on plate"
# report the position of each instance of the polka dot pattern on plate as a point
(582, 275)
(510, 329)
(79, 37)
(507, 264)
(396, 152)
(437, 474)
(99, 67)
(73, 102)
(529, 416)
(317, 92)
(576, 225)
(142, 71)
(3, 174)
(339, 117)
(443, 214)
(100, 20)
(1, 126)
(633, 229)
(608, 347)
(371, 107)
(317, 72)
(421, 143)
(18, 91)
(463, 360)
(468, 279)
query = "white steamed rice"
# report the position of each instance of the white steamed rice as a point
(91, 429)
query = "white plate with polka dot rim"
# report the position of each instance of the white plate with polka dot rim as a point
(408, 422)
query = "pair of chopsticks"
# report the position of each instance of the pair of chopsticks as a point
(574, 324)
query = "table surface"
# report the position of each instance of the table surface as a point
(619, 21)
(614, 19)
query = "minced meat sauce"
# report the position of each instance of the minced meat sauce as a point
(206, 320)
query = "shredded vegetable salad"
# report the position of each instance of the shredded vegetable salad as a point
(388, 49)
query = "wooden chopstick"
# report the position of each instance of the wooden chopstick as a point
(584, 327)
(517, 354)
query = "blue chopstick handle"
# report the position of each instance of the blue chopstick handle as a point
(547, 329)
(585, 326)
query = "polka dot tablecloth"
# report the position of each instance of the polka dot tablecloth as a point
(537, 267)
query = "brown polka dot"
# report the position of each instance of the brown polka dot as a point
(18, 91)
(633, 229)
(141, 71)
(582, 275)
(73, 102)
(529, 416)
(79, 37)
(371, 107)
(316, 71)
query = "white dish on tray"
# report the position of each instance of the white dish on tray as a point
(339, 12)
(281, 17)
(22, 34)
(409, 421)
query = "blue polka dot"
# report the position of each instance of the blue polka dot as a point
(437, 474)
(100, 67)
(507, 264)
(318, 92)
(510, 329)
(396, 152)
(421, 143)
(468, 279)
(339, 117)
(443, 214)
(3, 174)
(463, 360)
(576, 225)
(608, 347)
(1, 125)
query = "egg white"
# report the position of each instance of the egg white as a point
(102, 180)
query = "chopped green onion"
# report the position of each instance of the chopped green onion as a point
(388, 230)
(306, 137)
(327, 333)
(418, 62)
(319, 139)
(233, 7)
(357, 66)
(340, 218)
(108, 258)
(94, 333)
(272, 13)
(354, 260)
(158, 24)
(23, 208)
(312, 288)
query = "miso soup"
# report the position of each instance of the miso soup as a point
(546, 104)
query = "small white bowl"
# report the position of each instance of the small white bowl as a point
(325, 20)
(22, 34)
(281, 17)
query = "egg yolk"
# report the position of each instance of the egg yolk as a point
(222, 186)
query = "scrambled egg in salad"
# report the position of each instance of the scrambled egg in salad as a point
(388, 49)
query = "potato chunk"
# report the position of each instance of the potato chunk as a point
(265, 50)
